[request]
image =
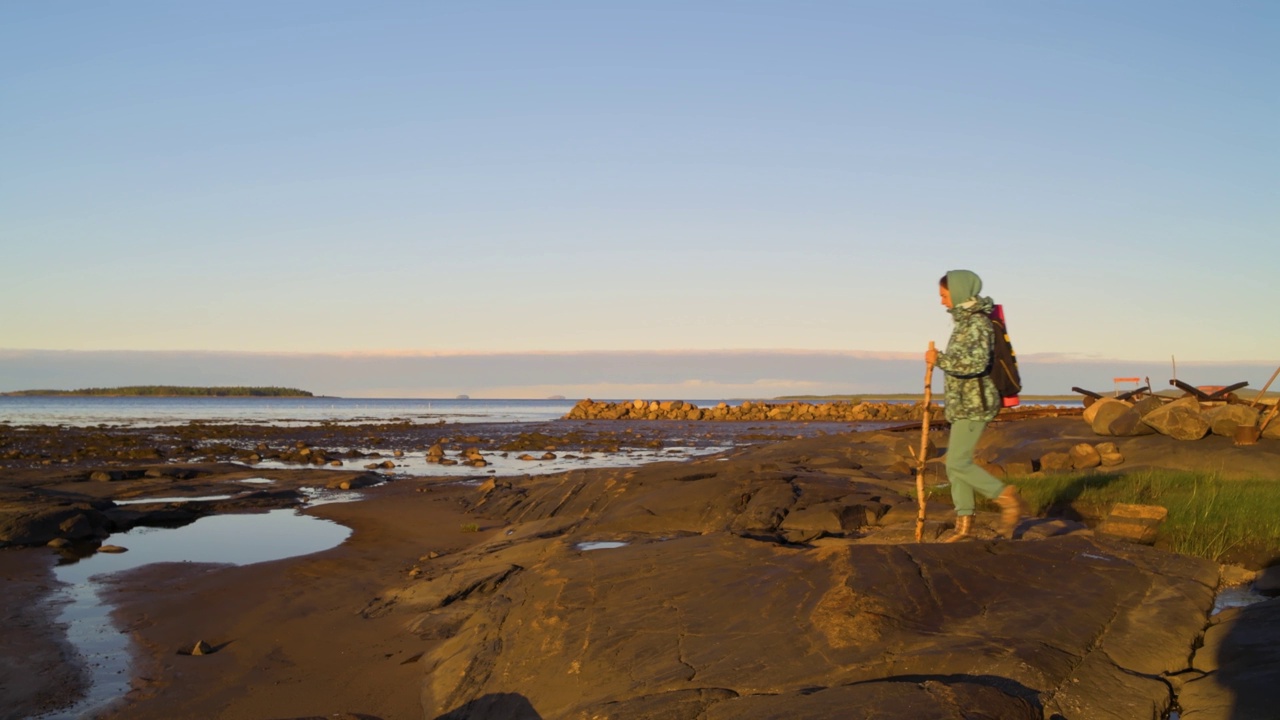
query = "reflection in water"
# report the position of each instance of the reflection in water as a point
(600, 545)
(416, 464)
(174, 499)
(222, 539)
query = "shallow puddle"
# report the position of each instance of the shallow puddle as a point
(174, 499)
(222, 539)
(416, 464)
(1236, 596)
(600, 545)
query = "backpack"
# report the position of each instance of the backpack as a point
(1004, 361)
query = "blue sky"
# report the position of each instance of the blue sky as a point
(563, 177)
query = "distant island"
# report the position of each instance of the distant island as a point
(170, 391)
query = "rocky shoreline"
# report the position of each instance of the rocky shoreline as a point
(775, 578)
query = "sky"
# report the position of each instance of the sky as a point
(283, 182)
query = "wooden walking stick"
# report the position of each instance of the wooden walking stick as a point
(924, 446)
(1265, 388)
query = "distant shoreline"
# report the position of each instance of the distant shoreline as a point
(167, 391)
(915, 396)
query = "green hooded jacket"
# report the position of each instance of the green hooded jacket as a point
(970, 393)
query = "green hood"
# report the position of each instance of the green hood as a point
(965, 286)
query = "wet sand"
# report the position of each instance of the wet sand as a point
(293, 637)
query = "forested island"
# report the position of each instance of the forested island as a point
(170, 391)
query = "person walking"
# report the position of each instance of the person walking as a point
(972, 401)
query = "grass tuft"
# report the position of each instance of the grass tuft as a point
(1208, 517)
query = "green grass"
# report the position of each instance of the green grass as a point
(1208, 517)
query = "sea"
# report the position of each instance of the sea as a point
(90, 411)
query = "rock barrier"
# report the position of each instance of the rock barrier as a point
(750, 410)
(1184, 419)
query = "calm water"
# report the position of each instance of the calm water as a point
(230, 539)
(145, 411)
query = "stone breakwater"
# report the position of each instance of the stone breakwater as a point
(754, 410)
(840, 411)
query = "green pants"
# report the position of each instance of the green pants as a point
(963, 473)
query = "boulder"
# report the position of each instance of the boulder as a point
(1147, 404)
(1128, 424)
(1084, 457)
(1180, 419)
(1111, 405)
(1106, 412)
(1224, 419)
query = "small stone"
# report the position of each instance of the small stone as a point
(114, 549)
(548, 456)
(335, 463)
(1019, 468)
(1111, 459)
(1106, 447)
(58, 543)
(398, 453)
(1055, 462)
(202, 648)
(1133, 523)
(1085, 457)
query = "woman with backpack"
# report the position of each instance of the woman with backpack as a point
(972, 401)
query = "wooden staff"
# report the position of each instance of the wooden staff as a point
(1265, 388)
(924, 445)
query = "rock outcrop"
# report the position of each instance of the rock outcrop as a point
(722, 625)
(783, 583)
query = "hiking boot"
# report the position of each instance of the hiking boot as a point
(964, 529)
(1012, 509)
